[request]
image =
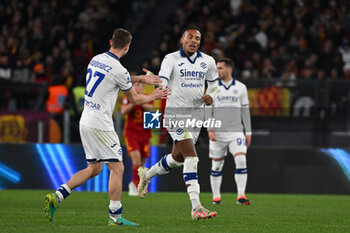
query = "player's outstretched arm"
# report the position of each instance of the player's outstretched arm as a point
(148, 78)
(137, 99)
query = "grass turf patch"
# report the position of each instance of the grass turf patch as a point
(23, 211)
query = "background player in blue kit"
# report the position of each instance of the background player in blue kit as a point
(105, 76)
(185, 72)
(231, 106)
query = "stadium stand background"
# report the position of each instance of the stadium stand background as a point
(294, 55)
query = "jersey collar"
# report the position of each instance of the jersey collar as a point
(231, 84)
(183, 54)
(113, 55)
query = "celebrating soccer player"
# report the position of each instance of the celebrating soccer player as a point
(105, 76)
(231, 99)
(185, 72)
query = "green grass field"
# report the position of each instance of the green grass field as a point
(23, 211)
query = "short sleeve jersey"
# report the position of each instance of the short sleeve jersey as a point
(228, 102)
(186, 77)
(105, 77)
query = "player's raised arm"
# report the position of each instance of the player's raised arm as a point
(136, 98)
(148, 78)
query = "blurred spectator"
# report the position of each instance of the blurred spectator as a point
(345, 51)
(347, 71)
(246, 74)
(57, 97)
(76, 106)
(334, 74)
(40, 75)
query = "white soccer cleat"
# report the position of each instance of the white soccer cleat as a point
(133, 189)
(143, 184)
(202, 213)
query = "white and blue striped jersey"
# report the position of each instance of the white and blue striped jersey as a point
(105, 77)
(186, 77)
(229, 102)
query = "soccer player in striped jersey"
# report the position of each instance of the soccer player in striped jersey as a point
(105, 77)
(185, 72)
(231, 105)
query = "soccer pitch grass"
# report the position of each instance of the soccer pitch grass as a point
(23, 211)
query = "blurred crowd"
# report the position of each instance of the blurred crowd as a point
(41, 41)
(287, 39)
(53, 41)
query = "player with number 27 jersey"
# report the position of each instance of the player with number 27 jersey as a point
(99, 102)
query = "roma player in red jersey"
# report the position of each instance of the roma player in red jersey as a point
(136, 137)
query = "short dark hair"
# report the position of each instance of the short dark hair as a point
(228, 62)
(190, 28)
(121, 38)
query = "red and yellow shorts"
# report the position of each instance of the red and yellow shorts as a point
(138, 142)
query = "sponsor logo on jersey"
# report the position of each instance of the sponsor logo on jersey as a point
(227, 98)
(192, 85)
(192, 74)
(151, 120)
(92, 105)
(203, 65)
(181, 63)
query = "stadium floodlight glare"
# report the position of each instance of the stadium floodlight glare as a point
(63, 154)
(49, 169)
(342, 157)
(54, 160)
(104, 178)
(153, 159)
(9, 174)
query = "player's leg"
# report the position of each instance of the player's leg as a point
(163, 166)
(238, 149)
(134, 146)
(79, 178)
(115, 193)
(241, 176)
(216, 179)
(190, 176)
(136, 163)
(166, 163)
(217, 152)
